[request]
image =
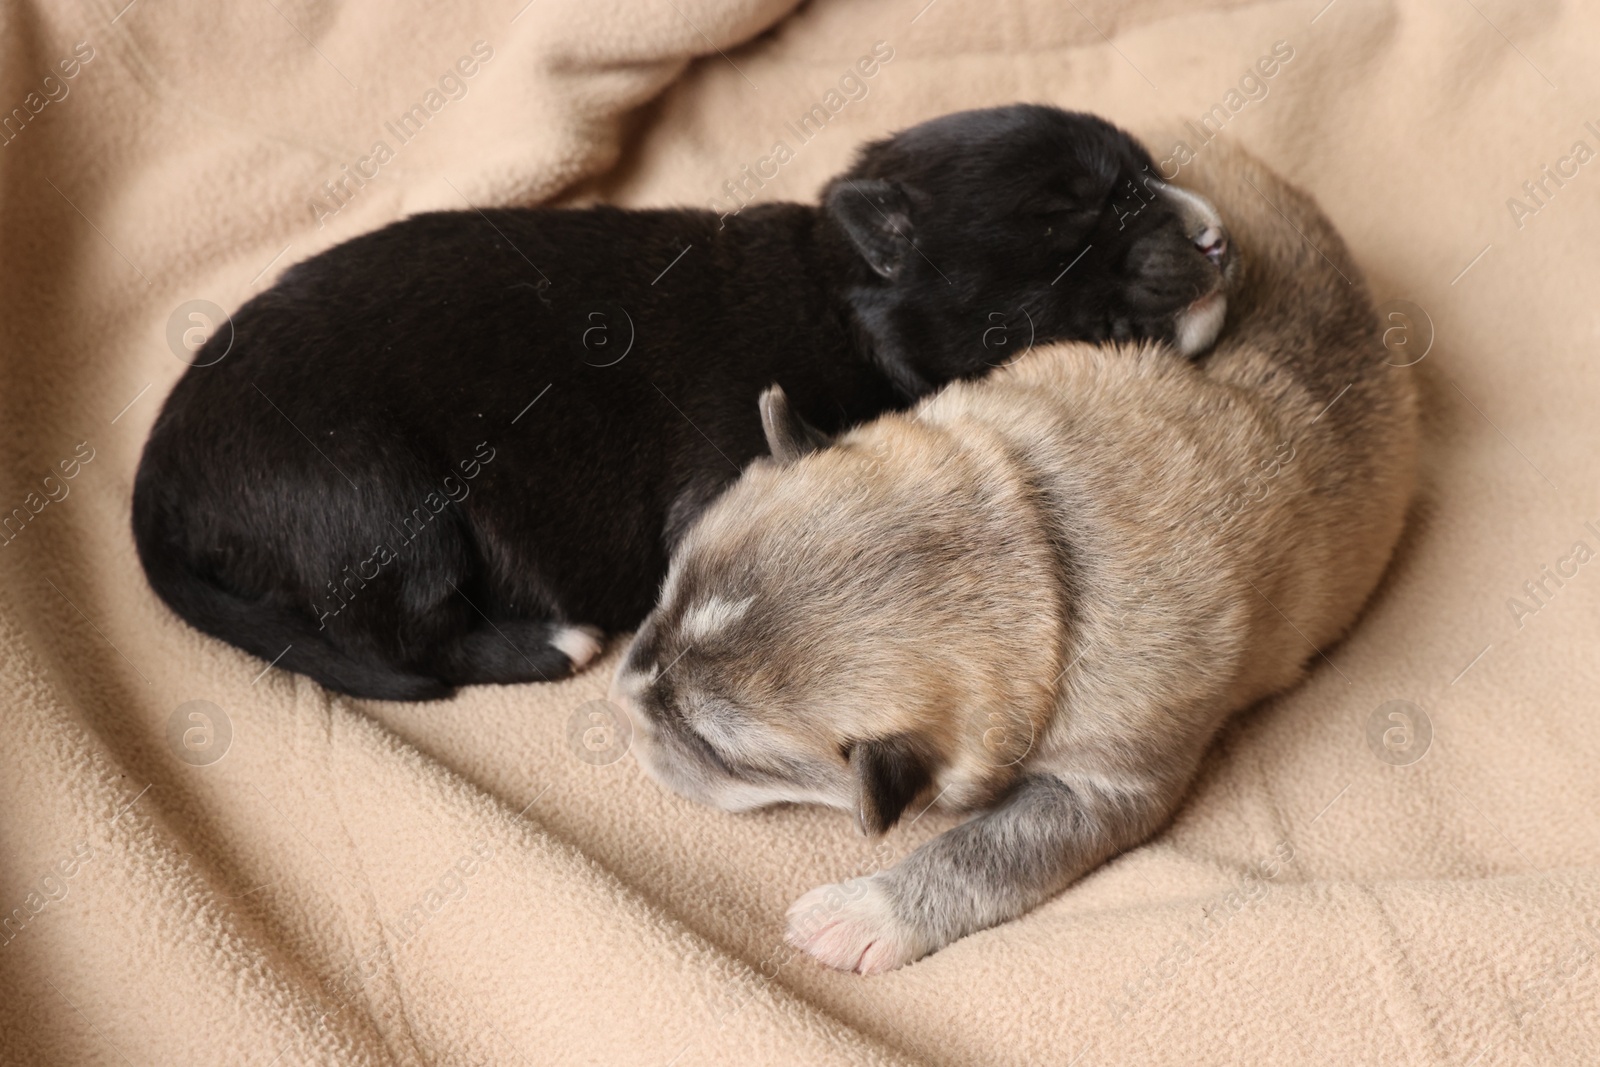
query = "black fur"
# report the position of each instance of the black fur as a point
(426, 451)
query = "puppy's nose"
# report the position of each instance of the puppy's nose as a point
(1200, 222)
(1212, 243)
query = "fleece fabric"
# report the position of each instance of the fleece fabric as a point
(206, 860)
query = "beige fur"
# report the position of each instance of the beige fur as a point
(1046, 589)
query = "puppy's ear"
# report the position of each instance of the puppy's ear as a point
(788, 435)
(889, 773)
(877, 216)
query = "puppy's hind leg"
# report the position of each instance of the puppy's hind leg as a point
(513, 651)
(991, 869)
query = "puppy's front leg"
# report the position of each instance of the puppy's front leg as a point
(991, 869)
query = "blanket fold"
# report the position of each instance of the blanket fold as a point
(206, 860)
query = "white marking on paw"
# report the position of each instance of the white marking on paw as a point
(852, 927)
(580, 643)
(1200, 322)
(712, 615)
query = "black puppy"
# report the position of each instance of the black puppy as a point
(455, 450)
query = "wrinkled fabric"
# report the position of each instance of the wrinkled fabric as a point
(204, 859)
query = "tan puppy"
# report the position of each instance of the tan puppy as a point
(1037, 595)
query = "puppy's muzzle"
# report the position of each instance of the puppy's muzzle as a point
(1200, 221)
(1198, 324)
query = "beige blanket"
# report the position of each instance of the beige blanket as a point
(204, 860)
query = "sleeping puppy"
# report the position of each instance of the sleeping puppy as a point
(458, 449)
(1035, 597)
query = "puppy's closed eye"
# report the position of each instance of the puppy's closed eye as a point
(1082, 194)
(1061, 206)
(720, 726)
(745, 748)
(1067, 223)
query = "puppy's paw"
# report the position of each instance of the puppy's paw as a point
(580, 644)
(853, 927)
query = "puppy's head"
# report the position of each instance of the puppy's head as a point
(850, 626)
(984, 232)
